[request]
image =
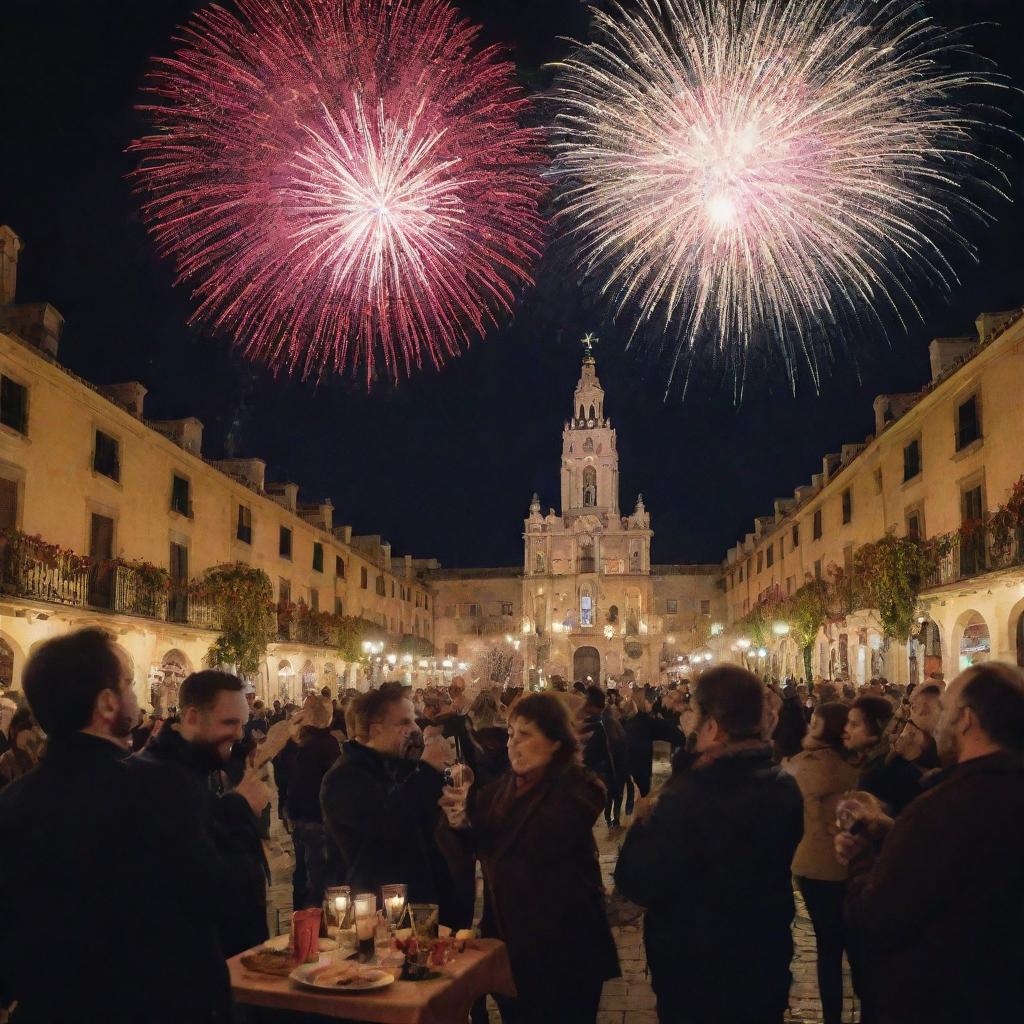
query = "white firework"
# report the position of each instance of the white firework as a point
(740, 173)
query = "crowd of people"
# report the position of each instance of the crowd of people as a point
(138, 842)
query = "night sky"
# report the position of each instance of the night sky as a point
(443, 465)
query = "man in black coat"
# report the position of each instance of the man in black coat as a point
(194, 753)
(81, 837)
(642, 729)
(381, 807)
(711, 863)
(936, 898)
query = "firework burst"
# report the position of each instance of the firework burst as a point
(744, 174)
(340, 181)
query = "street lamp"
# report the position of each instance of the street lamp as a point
(780, 628)
(743, 643)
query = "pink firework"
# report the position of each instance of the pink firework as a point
(340, 180)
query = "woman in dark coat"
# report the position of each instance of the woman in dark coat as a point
(532, 830)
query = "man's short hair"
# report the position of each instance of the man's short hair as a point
(734, 697)
(995, 693)
(929, 690)
(202, 690)
(596, 697)
(371, 708)
(65, 676)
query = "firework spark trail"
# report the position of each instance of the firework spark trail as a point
(342, 180)
(741, 173)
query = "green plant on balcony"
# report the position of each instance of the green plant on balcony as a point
(242, 599)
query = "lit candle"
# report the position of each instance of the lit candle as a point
(394, 905)
(341, 907)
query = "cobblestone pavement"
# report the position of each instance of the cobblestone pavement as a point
(626, 1000)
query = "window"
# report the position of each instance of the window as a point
(177, 603)
(741, 574)
(911, 460)
(705, 607)
(506, 607)
(847, 505)
(13, 405)
(816, 528)
(180, 496)
(106, 456)
(243, 531)
(362, 577)
(968, 426)
(284, 590)
(769, 555)
(451, 650)
(101, 550)
(878, 481)
(8, 504)
(339, 567)
(426, 602)
(379, 587)
(393, 589)
(586, 610)
(760, 560)
(589, 487)
(474, 611)
(671, 606)
(339, 608)
(796, 535)
(817, 568)
(318, 557)
(284, 542)
(915, 530)
(314, 599)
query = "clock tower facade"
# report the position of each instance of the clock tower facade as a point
(587, 586)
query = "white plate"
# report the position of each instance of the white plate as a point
(301, 975)
(282, 942)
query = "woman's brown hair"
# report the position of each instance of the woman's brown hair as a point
(550, 715)
(834, 714)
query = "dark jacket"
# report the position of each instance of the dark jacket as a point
(493, 759)
(712, 866)
(641, 732)
(317, 751)
(791, 728)
(597, 752)
(543, 894)
(106, 889)
(381, 812)
(893, 779)
(945, 901)
(232, 830)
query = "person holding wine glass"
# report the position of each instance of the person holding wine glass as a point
(532, 830)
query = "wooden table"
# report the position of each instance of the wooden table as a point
(481, 969)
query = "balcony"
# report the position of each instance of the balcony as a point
(976, 552)
(111, 587)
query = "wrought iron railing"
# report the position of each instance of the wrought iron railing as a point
(119, 589)
(976, 552)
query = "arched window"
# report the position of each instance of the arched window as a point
(588, 445)
(581, 416)
(589, 486)
(593, 415)
(586, 554)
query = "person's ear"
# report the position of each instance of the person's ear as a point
(107, 704)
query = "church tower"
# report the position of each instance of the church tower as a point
(590, 463)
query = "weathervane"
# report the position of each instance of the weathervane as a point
(588, 341)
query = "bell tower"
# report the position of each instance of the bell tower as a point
(590, 462)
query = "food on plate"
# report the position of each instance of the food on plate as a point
(269, 961)
(346, 973)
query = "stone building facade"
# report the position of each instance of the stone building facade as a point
(937, 459)
(82, 468)
(586, 603)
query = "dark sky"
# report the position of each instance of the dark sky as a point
(443, 465)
